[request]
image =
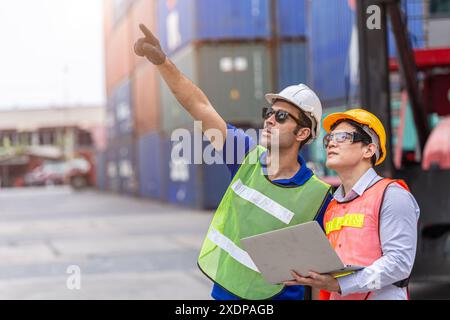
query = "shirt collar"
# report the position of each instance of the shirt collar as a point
(367, 180)
(299, 179)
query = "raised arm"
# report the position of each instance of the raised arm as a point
(187, 93)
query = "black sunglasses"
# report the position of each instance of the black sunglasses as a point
(280, 115)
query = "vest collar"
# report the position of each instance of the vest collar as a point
(367, 180)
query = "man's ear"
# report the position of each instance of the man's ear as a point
(303, 134)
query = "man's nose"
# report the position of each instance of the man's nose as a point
(331, 143)
(271, 120)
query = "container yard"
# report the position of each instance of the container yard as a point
(120, 187)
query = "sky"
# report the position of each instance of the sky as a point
(51, 53)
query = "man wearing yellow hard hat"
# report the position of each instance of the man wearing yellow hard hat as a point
(372, 221)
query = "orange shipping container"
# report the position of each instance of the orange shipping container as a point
(146, 101)
(142, 11)
(107, 20)
(118, 54)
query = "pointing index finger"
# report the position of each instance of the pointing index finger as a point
(148, 33)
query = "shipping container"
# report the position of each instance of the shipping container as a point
(110, 121)
(292, 64)
(235, 78)
(184, 21)
(199, 186)
(331, 26)
(292, 18)
(112, 173)
(107, 20)
(141, 11)
(123, 111)
(146, 102)
(100, 170)
(120, 9)
(150, 157)
(119, 55)
(415, 18)
(126, 151)
(216, 179)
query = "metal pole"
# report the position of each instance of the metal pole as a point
(374, 72)
(409, 72)
(274, 43)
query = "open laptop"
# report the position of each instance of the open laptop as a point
(302, 248)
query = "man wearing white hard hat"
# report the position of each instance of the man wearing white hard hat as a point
(273, 192)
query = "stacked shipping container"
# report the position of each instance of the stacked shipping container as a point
(330, 33)
(132, 89)
(235, 51)
(183, 22)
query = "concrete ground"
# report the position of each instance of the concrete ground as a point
(125, 248)
(54, 239)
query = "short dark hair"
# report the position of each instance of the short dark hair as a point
(366, 138)
(305, 122)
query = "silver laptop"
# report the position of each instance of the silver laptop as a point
(302, 248)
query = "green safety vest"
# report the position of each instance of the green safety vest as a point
(253, 205)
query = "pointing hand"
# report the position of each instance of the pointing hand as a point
(149, 47)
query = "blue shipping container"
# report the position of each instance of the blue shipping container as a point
(292, 64)
(184, 21)
(216, 178)
(415, 17)
(199, 186)
(112, 174)
(126, 165)
(110, 120)
(122, 106)
(100, 170)
(180, 179)
(330, 34)
(292, 18)
(150, 166)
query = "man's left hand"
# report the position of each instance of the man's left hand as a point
(315, 280)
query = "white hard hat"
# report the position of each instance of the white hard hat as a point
(306, 100)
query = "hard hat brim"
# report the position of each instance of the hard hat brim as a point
(271, 97)
(335, 117)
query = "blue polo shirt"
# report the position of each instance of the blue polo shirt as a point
(238, 138)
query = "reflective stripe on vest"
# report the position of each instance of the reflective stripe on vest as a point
(355, 220)
(253, 205)
(355, 236)
(233, 250)
(263, 202)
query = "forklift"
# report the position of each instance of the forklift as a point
(425, 77)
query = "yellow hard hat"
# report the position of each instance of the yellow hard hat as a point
(363, 117)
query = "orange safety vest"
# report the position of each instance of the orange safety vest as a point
(353, 230)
